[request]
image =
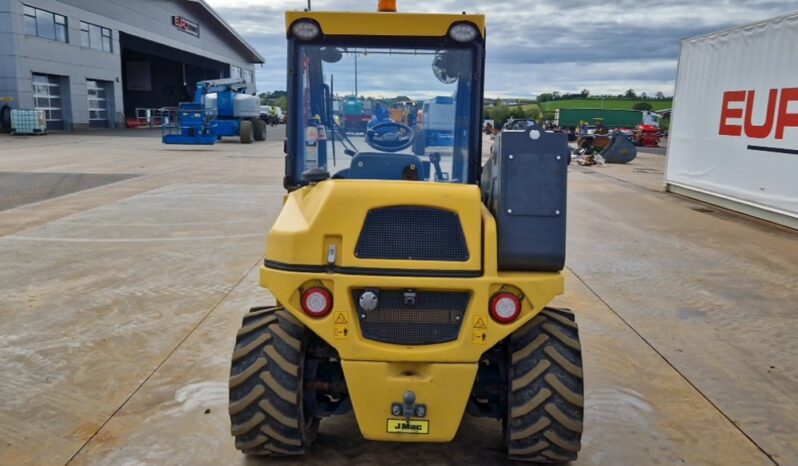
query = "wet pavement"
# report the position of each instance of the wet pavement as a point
(119, 304)
(21, 188)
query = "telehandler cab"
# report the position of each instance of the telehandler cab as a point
(412, 285)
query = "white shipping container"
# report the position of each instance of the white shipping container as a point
(734, 132)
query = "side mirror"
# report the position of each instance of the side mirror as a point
(331, 54)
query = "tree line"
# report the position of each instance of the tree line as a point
(501, 113)
(585, 94)
(497, 110)
(274, 99)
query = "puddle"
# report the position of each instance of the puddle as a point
(198, 397)
(622, 405)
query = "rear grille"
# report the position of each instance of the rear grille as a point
(412, 233)
(432, 317)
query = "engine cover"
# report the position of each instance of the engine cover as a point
(414, 228)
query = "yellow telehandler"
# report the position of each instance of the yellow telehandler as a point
(412, 285)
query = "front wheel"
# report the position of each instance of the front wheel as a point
(546, 392)
(266, 385)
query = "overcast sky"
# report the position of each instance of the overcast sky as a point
(536, 46)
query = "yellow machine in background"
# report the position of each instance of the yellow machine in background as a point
(412, 289)
(402, 111)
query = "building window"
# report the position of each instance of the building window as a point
(249, 75)
(45, 24)
(95, 37)
(235, 71)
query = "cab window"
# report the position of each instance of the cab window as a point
(384, 113)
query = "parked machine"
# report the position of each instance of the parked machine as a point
(613, 118)
(435, 129)
(355, 115)
(407, 297)
(271, 114)
(646, 136)
(614, 146)
(222, 107)
(405, 112)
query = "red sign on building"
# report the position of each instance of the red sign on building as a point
(186, 25)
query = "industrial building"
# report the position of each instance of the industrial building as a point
(99, 64)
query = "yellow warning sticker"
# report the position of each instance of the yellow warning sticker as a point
(479, 335)
(341, 327)
(403, 426)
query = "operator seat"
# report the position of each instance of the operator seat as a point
(386, 166)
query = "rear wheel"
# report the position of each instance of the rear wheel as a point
(546, 401)
(266, 393)
(245, 132)
(259, 130)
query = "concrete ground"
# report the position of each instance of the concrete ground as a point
(127, 266)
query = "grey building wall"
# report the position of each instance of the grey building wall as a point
(21, 55)
(8, 52)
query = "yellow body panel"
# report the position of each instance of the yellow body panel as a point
(314, 218)
(332, 212)
(384, 24)
(377, 374)
(444, 388)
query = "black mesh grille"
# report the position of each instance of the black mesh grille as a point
(429, 317)
(412, 233)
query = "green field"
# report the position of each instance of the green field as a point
(614, 104)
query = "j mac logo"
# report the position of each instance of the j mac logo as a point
(404, 426)
(401, 425)
(738, 115)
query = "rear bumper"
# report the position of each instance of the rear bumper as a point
(478, 333)
(442, 388)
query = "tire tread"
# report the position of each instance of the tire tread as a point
(265, 407)
(546, 400)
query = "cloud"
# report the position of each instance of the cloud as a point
(541, 45)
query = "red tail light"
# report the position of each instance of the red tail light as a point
(505, 307)
(317, 302)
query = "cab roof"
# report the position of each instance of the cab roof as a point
(384, 24)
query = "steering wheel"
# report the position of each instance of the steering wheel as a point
(390, 136)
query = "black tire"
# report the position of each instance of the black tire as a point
(259, 130)
(5, 118)
(266, 409)
(546, 391)
(246, 132)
